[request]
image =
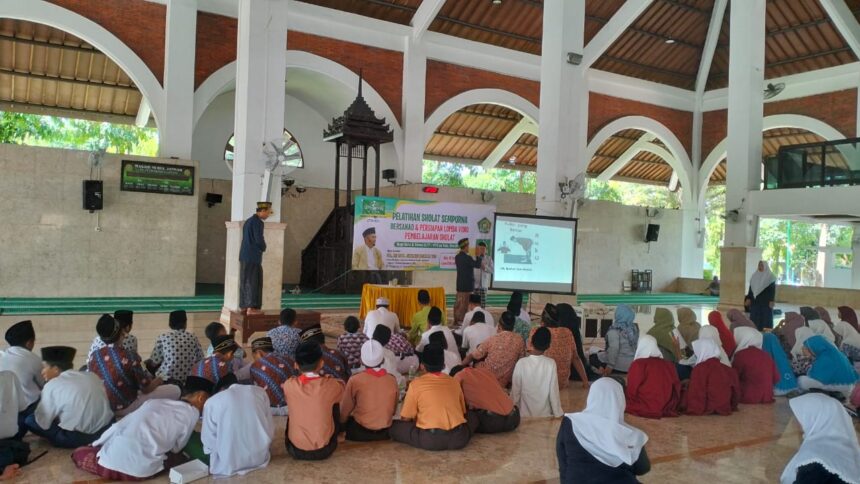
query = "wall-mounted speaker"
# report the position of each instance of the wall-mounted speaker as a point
(653, 233)
(93, 195)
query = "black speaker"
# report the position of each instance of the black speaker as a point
(213, 198)
(653, 233)
(93, 195)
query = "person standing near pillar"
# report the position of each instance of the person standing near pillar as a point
(761, 296)
(466, 266)
(484, 273)
(251, 260)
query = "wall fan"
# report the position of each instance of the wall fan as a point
(281, 155)
(773, 90)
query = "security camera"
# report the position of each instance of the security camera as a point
(288, 182)
(301, 189)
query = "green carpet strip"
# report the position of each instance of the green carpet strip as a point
(214, 303)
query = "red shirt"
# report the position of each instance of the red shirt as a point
(757, 374)
(653, 389)
(713, 388)
(483, 391)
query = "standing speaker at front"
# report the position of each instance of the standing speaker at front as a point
(93, 195)
(652, 233)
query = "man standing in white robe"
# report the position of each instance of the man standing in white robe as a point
(237, 430)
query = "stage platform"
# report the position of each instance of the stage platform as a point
(214, 302)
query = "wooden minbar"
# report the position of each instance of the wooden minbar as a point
(249, 324)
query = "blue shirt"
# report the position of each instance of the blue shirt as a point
(253, 242)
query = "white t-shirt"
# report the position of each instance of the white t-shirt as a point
(138, 444)
(467, 319)
(449, 337)
(477, 334)
(534, 387)
(78, 399)
(237, 430)
(27, 367)
(452, 359)
(12, 402)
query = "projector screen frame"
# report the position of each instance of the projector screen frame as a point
(572, 292)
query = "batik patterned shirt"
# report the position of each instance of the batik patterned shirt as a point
(213, 368)
(399, 344)
(350, 345)
(285, 340)
(176, 351)
(122, 373)
(334, 364)
(270, 372)
(500, 354)
(129, 343)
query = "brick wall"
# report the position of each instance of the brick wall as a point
(714, 130)
(383, 69)
(838, 109)
(445, 81)
(603, 109)
(138, 24)
(216, 44)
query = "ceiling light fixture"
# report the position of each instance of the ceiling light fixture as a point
(512, 160)
(497, 2)
(670, 40)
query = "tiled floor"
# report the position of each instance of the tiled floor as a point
(750, 446)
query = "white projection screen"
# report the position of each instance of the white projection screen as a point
(534, 254)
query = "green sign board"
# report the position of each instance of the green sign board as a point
(143, 176)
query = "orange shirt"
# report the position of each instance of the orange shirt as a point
(435, 401)
(311, 421)
(370, 399)
(483, 392)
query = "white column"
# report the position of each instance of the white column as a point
(260, 90)
(745, 114)
(563, 124)
(414, 85)
(177, 128)
(855, 266)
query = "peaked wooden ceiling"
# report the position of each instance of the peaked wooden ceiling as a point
(663, 45)
(45, 70)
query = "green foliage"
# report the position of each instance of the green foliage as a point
(471, 176)
(36, 130)
(790, 247)
(715, 225)
(635, 194)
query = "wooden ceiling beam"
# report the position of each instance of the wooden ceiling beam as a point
(677, 75)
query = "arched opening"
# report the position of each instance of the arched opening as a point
(774, 235)
(59, 90)
(634, 167)
(485, 146)
(317, 90)
(292, 153)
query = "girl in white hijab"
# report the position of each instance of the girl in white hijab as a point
(761, 296)
(747, 338)
(818, 326)
(829, 447)
(711, 333)
(850, 339)
(595, 445)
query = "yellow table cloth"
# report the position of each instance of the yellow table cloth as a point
(403, 300)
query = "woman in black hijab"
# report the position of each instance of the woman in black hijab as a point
(568, 318)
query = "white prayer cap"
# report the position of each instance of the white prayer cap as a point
(371, 353)
(382, 301)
